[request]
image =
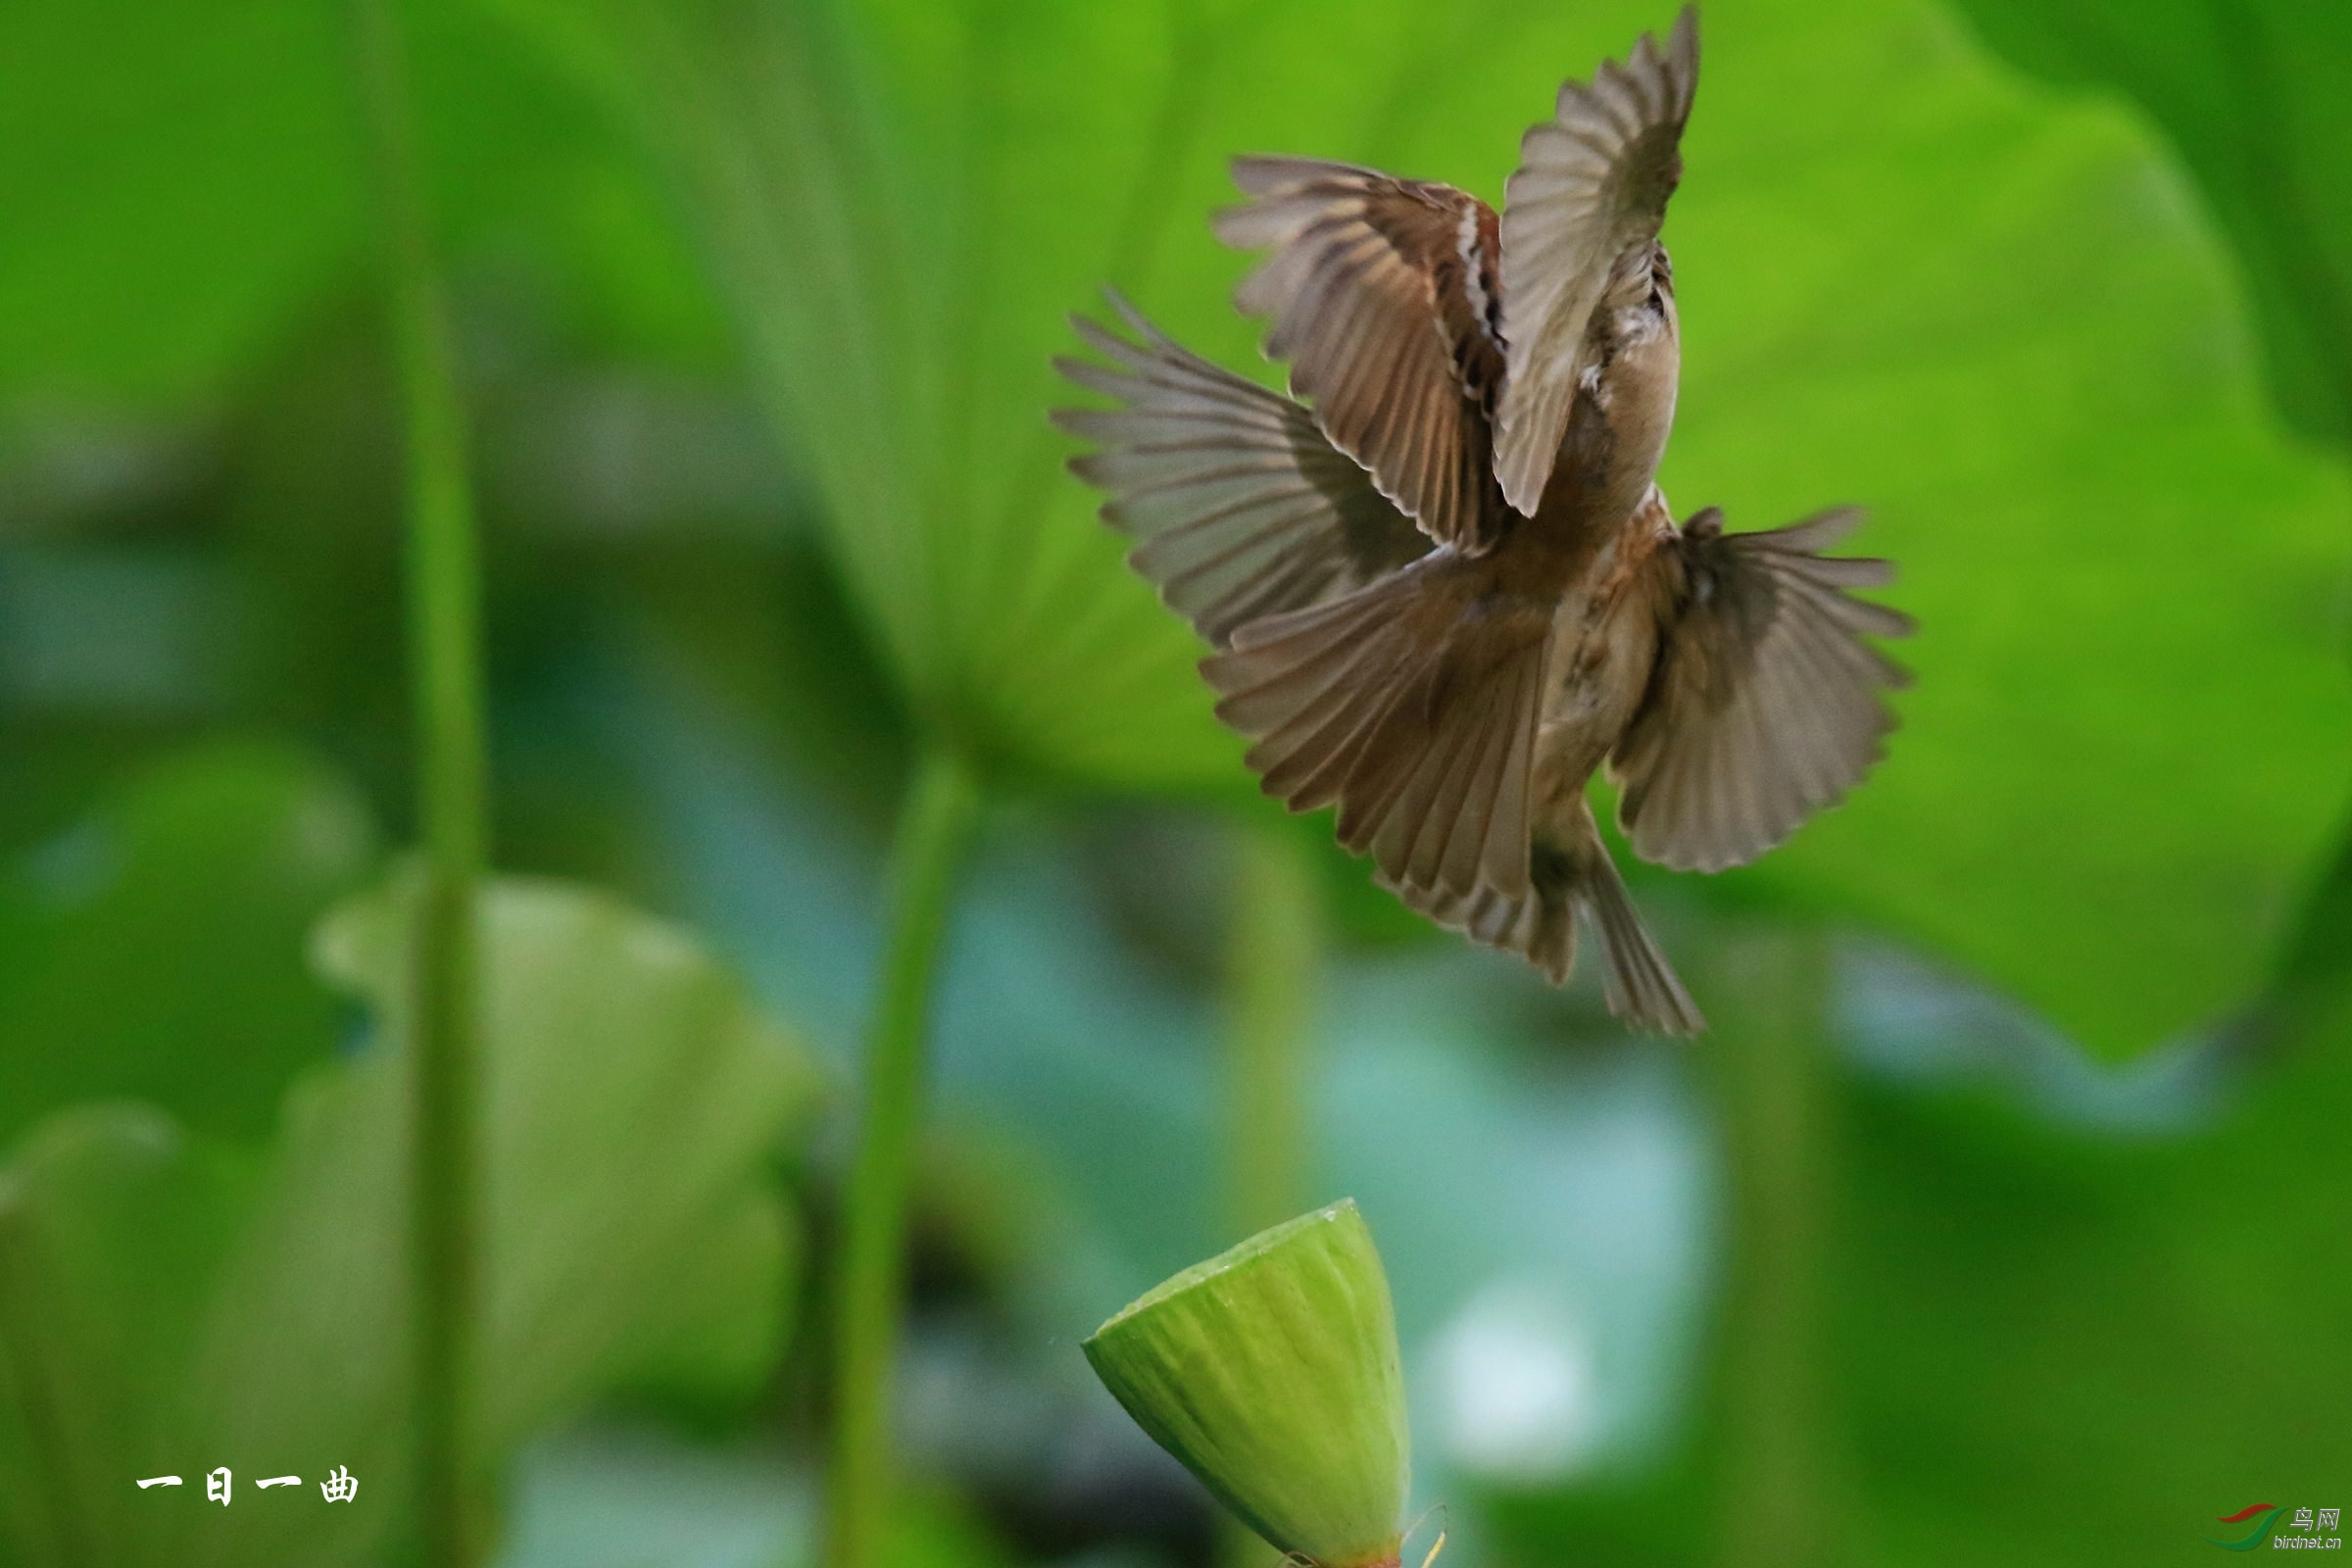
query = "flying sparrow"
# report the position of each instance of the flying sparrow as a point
(1441, 582)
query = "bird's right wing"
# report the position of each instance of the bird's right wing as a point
(1765, 705)
(1237, 507)
(1592, 184)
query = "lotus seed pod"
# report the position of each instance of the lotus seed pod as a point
(1271, 1372)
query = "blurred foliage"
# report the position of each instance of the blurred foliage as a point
(161, 1318)
(2250, 94)
(2036, 375)
(154, 949)
(625, 1494)
(186, 174)
(1997, 309)
(2042, 1345)
(185, 185)
(112, 1226)
(2146, 1329)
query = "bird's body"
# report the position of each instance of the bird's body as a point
(1445, 589)
(1622, 416)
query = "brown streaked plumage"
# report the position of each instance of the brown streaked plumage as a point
(1379, 291)
(1445, 589)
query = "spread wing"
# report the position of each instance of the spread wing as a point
(1382, 294)
(1765, 704)
(1412, 705)
(1239, 508)
(1592, 184)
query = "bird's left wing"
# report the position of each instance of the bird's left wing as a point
(1237, 507)
(1765, 704)
(1382, 295)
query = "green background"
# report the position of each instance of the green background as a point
(2004, 1214)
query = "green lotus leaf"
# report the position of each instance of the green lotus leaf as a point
(1990, 310)
(1911, 280)
(1271, 1372)
(111, 1225)
(2252, 96)
(165, 1309)
(153, 950)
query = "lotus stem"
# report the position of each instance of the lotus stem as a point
(935, 828)
(1776, 1506)
(444, 601)
(1274, 951)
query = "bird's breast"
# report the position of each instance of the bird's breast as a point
(1604, 643)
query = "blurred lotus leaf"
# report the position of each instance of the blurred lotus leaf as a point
(154, 949)
(1909, 281)
(634, 1234)
(2143, 1331)
(2252, 95)
(183, 174)
(111, 1227)
(185, 186)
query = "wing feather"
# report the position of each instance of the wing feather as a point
(1238, 506)
(1377, 288)
(1411, 704)
(1766, 705)
(1592, 184)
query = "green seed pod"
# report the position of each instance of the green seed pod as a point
(1271, 1372)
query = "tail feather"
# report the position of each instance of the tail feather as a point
(1641, 987)
(1568, 887)
(1443, 814)
(1412, 705)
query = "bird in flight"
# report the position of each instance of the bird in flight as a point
(1440, 581)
